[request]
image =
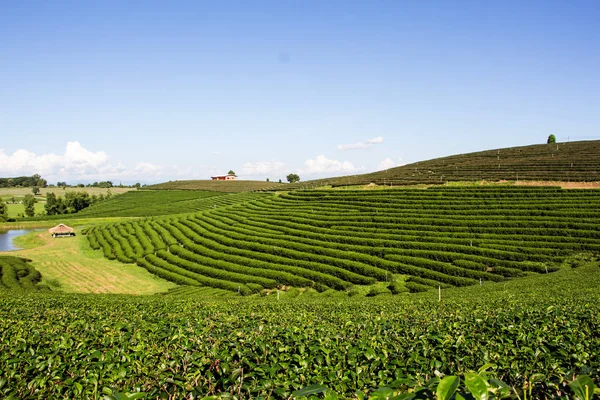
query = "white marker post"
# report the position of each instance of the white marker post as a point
(440, 293)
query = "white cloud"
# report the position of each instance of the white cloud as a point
(146, 168)
(322, 164)
(77, 163)
(262, 168)
(361, 145)
(388, 163)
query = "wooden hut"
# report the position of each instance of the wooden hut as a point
(61, 230)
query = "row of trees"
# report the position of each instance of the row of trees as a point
(291, 178)
(70, 203)
(23, 181)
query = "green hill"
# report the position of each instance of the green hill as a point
(573, 161)
(218, 186)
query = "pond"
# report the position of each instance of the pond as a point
(7, 237)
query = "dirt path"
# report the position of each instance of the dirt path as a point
(73, 266)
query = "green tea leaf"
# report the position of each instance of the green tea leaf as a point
(583, 387)
(309, 390)
(447, 387)
(476, 385)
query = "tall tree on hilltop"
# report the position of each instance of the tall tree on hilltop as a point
(293, 178)
(551, 138)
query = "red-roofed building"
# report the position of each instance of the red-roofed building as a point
(228, 177)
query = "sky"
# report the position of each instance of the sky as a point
(150, 91)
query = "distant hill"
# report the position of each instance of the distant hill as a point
(217, 186)
(573, 161)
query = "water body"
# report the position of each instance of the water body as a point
(7, 237)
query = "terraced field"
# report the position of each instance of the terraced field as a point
(567, 162)
(412, 240)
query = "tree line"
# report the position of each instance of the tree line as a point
(70, 203)
(23, 181)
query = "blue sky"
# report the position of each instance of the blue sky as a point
(157, 90)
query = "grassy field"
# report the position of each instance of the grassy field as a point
(8, 194)
(68, 264)
(15, 209)
(20, 192)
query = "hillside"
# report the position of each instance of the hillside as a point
(217, 186)
(407, 240)
(573, 161)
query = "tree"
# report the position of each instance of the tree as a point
(29, 202)
(3, 212)
(293, 178)
(231, 172)
(35, 190)
(51, 206)
(77, 201)
(551, 138)
(268, 180)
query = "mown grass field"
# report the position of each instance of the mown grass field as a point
(69, 265)
(14, 210)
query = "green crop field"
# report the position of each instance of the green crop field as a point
(530, 338)
(388, 241)
(565, 162)
(143, 203)
(234, 186)
(17, 275)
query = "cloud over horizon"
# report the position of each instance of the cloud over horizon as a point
(389, 163)
(361, 145)
(76, 163)
(259, 168)
(322, 164)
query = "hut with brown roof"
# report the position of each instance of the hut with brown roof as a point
(61, 230)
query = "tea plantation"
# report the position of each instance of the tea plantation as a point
(408, 240)
(532, 337)
(567, 162)
(17, 275)
(443, 293)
